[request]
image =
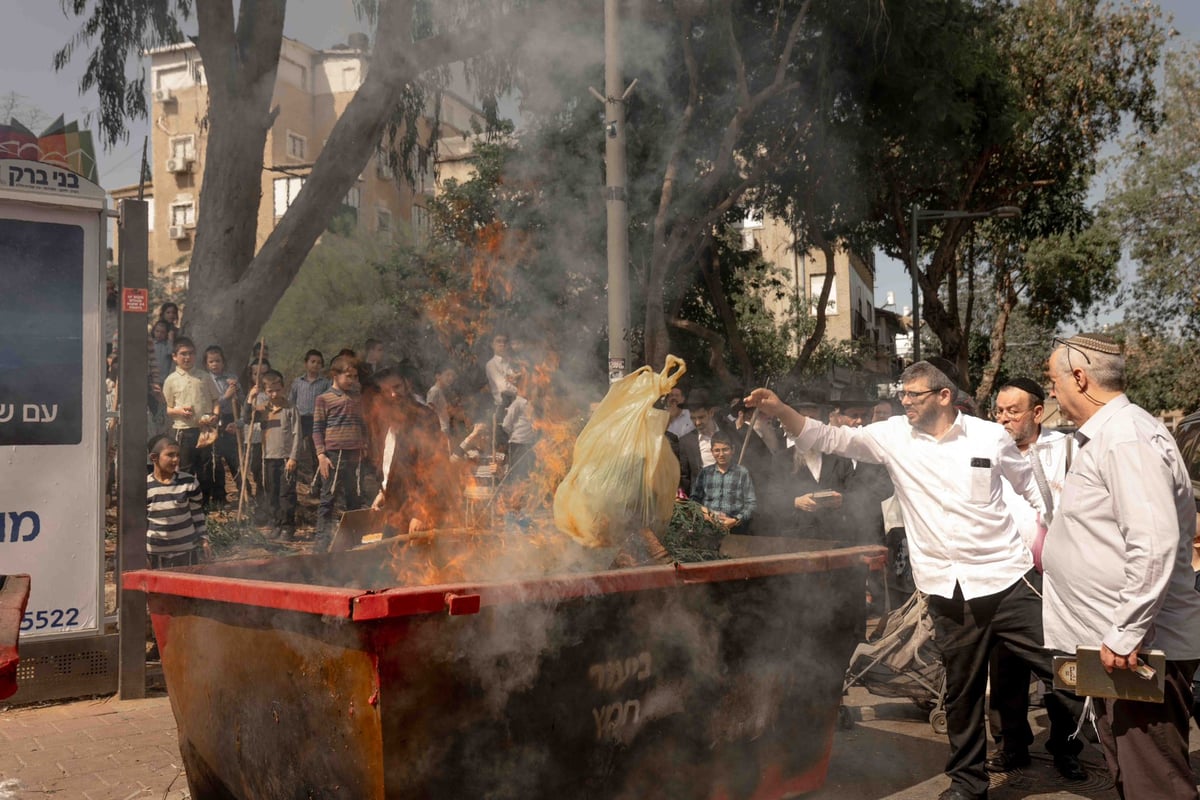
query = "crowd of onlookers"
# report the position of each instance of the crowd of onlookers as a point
(357, 431)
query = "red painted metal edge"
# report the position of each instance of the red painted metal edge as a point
(324, 600)
(406, 601)
(789, 563)
(13, 598)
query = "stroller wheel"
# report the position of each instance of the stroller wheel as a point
(937, 721)
(845, 718)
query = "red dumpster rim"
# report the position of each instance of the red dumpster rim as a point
(307, 598)
(364, 604)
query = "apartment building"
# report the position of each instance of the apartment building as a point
(312, 89)
(850, 313)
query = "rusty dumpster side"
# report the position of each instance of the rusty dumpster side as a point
(718, 680)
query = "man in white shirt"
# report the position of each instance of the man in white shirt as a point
(966, 552)
(1020, 406)
(680, 418)
(1118, 569)
(499, 369)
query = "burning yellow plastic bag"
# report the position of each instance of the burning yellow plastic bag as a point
(623, 475)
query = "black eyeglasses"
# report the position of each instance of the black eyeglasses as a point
(907, 395)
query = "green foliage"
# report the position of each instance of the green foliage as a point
(124, 29)
(336, 301)
(1156, 204)
(691, 536)
(1162, 371)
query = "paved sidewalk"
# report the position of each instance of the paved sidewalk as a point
(110, 749)
(105, 749)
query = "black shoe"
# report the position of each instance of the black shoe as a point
(1069, 767)
(1006, 760)
(955, 793)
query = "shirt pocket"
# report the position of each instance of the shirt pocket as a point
(979, 485)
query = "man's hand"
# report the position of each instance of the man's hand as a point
(726, 521)
(324, 465)
(377, 503)
(806, 503)
(764, 400)
(1112, 660)
(289, 466)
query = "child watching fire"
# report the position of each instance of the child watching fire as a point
(175, 528)
(340, 438)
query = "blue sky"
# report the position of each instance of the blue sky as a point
(41, 28)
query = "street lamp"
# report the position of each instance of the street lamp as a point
(919, 215)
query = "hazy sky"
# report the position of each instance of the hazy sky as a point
(38, 28)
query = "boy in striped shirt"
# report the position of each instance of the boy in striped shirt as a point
(175, 532)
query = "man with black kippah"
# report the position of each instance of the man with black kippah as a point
(1020, 407)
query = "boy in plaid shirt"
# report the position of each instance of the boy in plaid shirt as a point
(724, 488)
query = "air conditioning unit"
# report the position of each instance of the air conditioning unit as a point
(179, 165)
(163, 96)
(177, 232)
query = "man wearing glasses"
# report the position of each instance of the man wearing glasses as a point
(1118, 564)
(1020, 406)
(966, 552)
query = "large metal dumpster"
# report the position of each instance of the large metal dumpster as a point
(527, 671)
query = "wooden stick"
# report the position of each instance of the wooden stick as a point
(249, 435)
(749, 433)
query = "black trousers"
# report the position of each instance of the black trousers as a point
(189, 454)
(1146, 744)
(280, 491)
(1009, 702)
(966, 632)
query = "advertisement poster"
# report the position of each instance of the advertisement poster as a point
(51, 400)
(41, 333)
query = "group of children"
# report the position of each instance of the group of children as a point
(264, 433)
(261, 434)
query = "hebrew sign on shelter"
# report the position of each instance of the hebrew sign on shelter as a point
(51, 387)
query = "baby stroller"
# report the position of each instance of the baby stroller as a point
(902, 662)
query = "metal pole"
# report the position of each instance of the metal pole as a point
(132, 363)
(913, 266)
(614, 195)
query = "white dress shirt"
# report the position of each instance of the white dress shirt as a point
(1118, 556)
(518, 421)
(949, 489)
(498, 370)
(1054, 450)
(705, 442)
(682, 425)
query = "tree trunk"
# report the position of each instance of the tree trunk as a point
(1006, 299)
(233, 290)
(794, 375)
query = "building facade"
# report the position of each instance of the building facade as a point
(312, 89)
(850, 313)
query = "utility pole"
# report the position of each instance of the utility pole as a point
(615, 94)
